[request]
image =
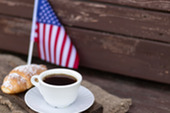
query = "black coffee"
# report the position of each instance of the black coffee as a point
(59, 79)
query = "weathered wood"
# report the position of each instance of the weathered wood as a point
(7, 63)
(123, 55)
(120, 20)
(113, 53)
(101, 17)
(147, 96)
(162, 5)
(15, 34)
(20, 8)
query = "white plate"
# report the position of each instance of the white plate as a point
(35, 101)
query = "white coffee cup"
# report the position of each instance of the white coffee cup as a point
(58, 95)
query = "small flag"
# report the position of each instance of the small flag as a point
(53, 42)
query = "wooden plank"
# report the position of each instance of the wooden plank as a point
(102, 17)
(13, 32)
(123, 55)
(162, 5)
(147, 96)
(16, 101)
(20, 8)
(113, 53)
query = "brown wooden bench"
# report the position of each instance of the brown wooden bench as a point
(124, 37)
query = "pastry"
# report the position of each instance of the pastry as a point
(18, 80)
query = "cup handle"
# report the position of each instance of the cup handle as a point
(35, 80)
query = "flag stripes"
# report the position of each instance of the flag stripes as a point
(55, 46)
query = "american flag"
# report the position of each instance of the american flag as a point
(54, 44)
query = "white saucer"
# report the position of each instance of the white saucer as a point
(35, 101)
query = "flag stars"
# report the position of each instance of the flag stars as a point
(48, 11)
(41, 7)
(46, 14)
(49, 21)
(45, 5)
(46, 8)
(40, 14)
(50, 15)
(43, 1)
(43, 11)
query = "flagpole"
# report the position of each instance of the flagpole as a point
(31, 45)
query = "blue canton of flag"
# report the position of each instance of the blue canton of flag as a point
(46, 14)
